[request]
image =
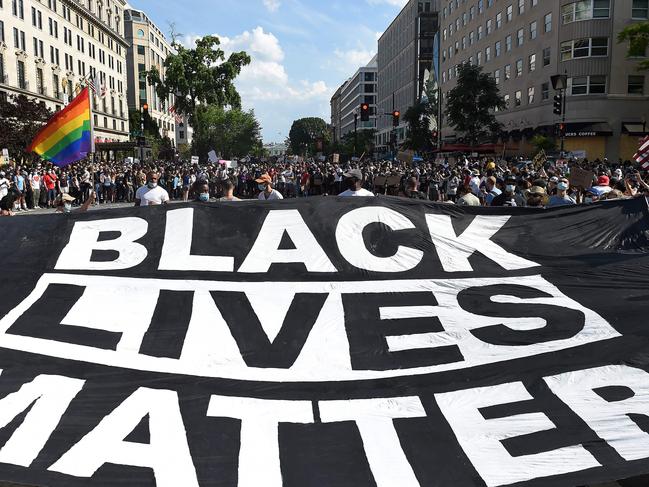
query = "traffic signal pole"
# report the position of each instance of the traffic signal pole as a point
(563, 123)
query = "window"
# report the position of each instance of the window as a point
(533, 30)
(2, 31)
(520, 37)
(479, 58)
(518, 98)
(585, 10)
(547, 23)
(640, 9)
(480, 32)
(585, 85)
(510, 13)
(519, 68)
(140, 33)
(497, 76)
(141, 50)
(480, 6)
(487, 54)
(636, 85)
(547, 56)
(489, 27)
(499, 20)
(508, 43)
(545, 91)
(530, 95)
(506, 98)
(497, 50)
(471, 38)
(521, 7)
(580, 48)
(532, 62)
(2, 69)
(508, 72)
(22, 83)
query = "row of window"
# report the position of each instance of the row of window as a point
(455, 5)
(509, 40)
(17, 7)
(579, 85)
(454, 27)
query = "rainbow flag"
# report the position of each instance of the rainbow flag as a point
(67, 137)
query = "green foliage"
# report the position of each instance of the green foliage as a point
(638, 37)
(304, 135)
(470, 105)
(151, 127)
(542, 142)
(231, 133)
(163, 149)
(20, 120)
(364, 143)
(200, 76)
(420, 137)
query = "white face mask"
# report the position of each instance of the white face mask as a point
(562, 186)
(152, 185)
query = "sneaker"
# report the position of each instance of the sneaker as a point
(37, 207)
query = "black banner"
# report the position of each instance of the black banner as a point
(326, 342)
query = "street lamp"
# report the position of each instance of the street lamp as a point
(560, 84)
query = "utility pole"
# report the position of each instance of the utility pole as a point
(355, 132)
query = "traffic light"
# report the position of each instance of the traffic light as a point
(435, 135)
(558, 104)
(396, 116)
(365, 112)
(562, 130)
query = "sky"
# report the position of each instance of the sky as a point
(302, 50)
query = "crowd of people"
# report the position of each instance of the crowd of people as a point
(459, 180)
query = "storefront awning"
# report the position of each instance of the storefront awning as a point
(635, 128)
(593, 129)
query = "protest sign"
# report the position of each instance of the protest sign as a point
(195, 159)
(212, 157)
(333, 341)
(580, 178)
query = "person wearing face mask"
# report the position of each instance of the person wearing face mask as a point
(561, 198)
(64, 202)
(151, 194)
(265, 186)
(508, 196)
(202, 191)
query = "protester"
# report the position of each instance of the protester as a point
(228, 188)
(5, 184)
(561, 198)
(354, 181)
(266, 191)
(151, 194)
(466, 197)
(507, 197)
(64, 203)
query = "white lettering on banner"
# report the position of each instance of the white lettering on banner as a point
(454, 250)
(374, 417)
(266, 251)
(49, 396)
(84, 239)
(349, 236)
(609, 419)
(325, 356)
(177, 247)
(481, 438)
(259, 451)
(167, 454)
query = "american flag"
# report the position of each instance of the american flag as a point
(176, 115)
(92, 82)
(642, 156)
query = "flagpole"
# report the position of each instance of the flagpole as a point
(92, 127)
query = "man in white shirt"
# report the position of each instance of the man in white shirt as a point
(354, 181)
(151, 194)
(4, 185)
(265, 185)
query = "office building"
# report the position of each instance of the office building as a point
(48, 47)
(336, 115)
(522, 43)
(405, 59)
(360, 88)
(148, 48)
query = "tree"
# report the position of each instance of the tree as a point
(199, 76)
(151, 127)
(543, 143)
(20, 120)
(305, 133)
(363, 142)
(163, 148)
(470, 105)
(638, 37)
(421, 119)
(230, 133)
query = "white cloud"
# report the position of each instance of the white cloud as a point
(266, 86)
(350, 60)
(271, 5)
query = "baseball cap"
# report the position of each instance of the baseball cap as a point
(264, 178)
(603, 181)
(67, 198)
(537, 190)
(354, 173)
